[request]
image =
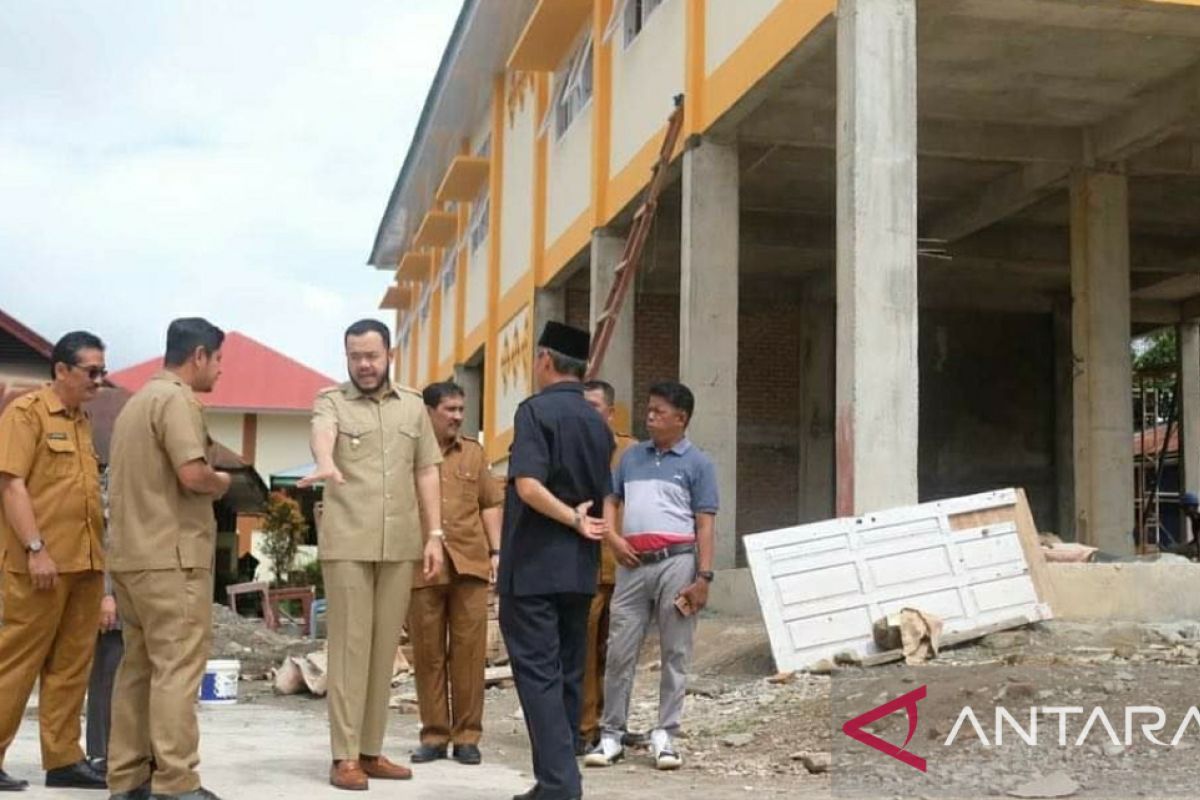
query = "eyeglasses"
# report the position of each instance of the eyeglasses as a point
(93, 373)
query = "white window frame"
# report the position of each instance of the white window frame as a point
(574, 85)
(477, 228)
(634, 17)
(450, 269)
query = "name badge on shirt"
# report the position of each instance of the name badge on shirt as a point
(58, 437)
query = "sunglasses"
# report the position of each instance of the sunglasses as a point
(93, 373)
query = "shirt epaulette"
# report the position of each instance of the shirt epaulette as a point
(26, 401)
(408, 389)
(330, 389)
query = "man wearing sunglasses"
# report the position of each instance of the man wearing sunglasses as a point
(52, 526)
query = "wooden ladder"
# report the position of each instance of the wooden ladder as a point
(631, 257)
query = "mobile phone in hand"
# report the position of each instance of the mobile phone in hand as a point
(684, 606)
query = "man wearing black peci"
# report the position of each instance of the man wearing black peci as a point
(558, 476)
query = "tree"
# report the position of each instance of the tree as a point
(1155, 350)
(283, 531)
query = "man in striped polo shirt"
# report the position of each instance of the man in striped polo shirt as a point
(666, 492)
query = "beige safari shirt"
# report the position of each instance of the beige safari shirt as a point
(155, 522)
(51, 449)
(381, 443)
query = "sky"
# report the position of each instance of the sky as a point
(222, 158)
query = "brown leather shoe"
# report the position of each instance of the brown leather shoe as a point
(380, 767)
(348, 774)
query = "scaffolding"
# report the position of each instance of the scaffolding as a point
(1155, 391)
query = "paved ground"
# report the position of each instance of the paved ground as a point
(254, 751)
(274, 747)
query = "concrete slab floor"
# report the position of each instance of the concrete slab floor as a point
(264, 753)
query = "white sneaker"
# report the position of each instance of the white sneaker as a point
(665, 755)
(608, 752)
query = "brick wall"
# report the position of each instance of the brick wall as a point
(768, 397)
(655, 350)
(768, 412)
(577, 313)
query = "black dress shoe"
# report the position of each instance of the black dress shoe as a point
(195, 794)
(426, 753)
(98, 763)
(140, 793)
(467, 754)
(10, 784)
(79, 775)
(532, 794)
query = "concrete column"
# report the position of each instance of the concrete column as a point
(471, 380)
(877, 410)
(708, 319)
(607, 247)
(817, 370)
(1100, 336)
(1064, 425)
(1189, 414)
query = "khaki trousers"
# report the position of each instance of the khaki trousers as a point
(448, 628)
(166, 616)
(593, 666)
(367, 604)
(51, 634)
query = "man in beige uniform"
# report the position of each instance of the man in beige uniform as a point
(375, 451)
(50, 518)
(601, 396)
(447, 619)
(161, 491)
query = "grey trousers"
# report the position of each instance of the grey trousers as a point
(645, 595)
(109, 649)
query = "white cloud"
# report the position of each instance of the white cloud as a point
(213, 157)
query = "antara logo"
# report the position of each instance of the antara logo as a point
(908, 702)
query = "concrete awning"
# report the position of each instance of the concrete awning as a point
(438, 229)
(464, 179)
(396, 297)
(549, 34)
(414, 267)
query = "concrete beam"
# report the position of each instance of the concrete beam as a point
(1158, 114)
(1149, 18)
(708, 319)
(1189, 310)
(815, 44)
(877, 367)
(1178, 157)
(1103, 422)
(786, 125)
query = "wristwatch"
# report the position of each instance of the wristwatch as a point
(493, 552)
(36, 546)
(707, 575)
(437, 533)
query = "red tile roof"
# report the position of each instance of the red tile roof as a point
(1154, 441)
(253, 378)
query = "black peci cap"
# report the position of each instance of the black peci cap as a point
(571, 342)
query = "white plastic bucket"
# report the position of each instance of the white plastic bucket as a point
(220, 684)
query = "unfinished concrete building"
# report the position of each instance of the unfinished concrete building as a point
(901, 254)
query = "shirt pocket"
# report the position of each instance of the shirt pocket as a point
(355, 445)
(407, 439)
(464, 485)
(64, 457)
